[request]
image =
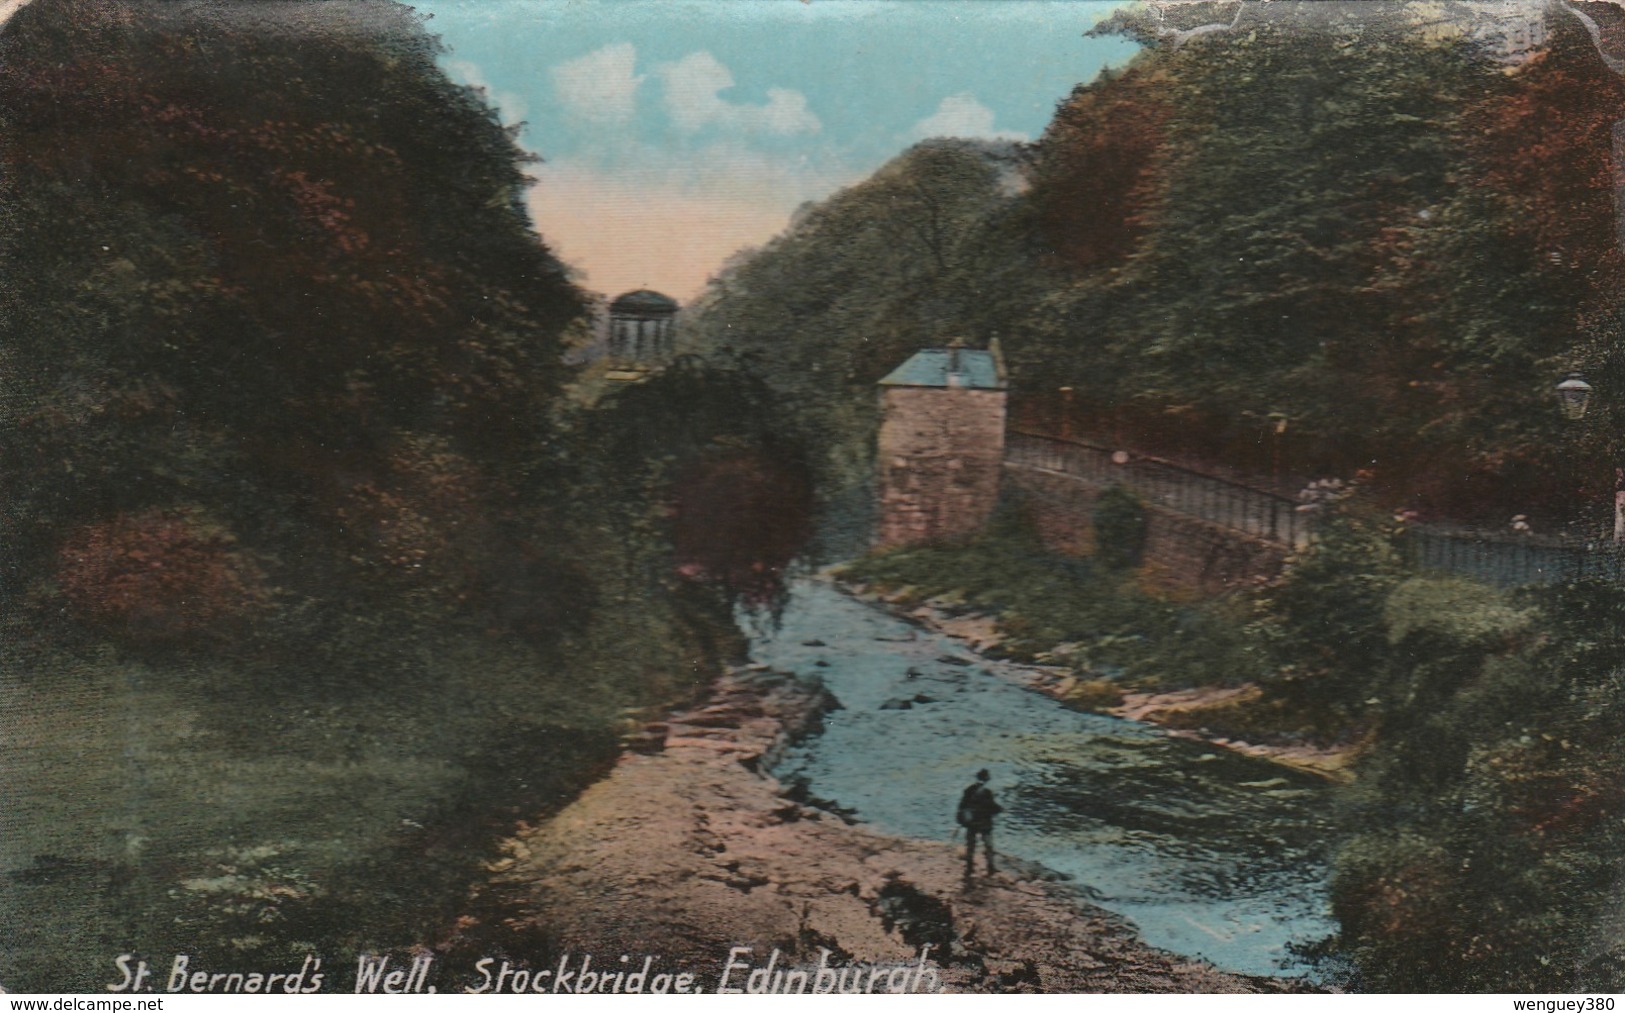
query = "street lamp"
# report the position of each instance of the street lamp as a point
(1574, 394)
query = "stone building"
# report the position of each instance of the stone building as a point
(941, 445)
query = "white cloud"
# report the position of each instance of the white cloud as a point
(510, 106)
(631, 214)
(600, 86)
(693, 102)
(962, 116)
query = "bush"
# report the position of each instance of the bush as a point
(1120, 528)
(1488, 817)
(1324, 620)
(159, 575)
(1093, 694)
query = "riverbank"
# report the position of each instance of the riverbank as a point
(1181, 711)
(689, 848)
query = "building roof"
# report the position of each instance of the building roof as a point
(929, 367)
(643, 301)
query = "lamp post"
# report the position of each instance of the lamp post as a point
(1277, 429)
(1574, 394)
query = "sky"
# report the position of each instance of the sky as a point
(676, 132)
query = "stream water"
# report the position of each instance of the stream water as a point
(1209, 853)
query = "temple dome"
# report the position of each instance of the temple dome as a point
(643, 302)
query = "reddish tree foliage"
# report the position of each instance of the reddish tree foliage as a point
(1548, 148)
(159, 575)
(1097, 170)
(409, 518)
(739, 521)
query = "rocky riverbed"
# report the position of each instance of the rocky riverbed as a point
(980, 631)
(690, 849)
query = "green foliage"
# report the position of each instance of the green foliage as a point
(1119, 525)
(1489, 815)
(1451, 611)
(1323, 621)
(703, 477)
(1322, 243)
(312, 582)
(1070, 611)
(301, 261)
(856, 285)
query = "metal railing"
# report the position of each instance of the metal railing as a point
(1511, 560)
(1240, 508)
(1508, 560)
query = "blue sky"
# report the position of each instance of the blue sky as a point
(676, 132)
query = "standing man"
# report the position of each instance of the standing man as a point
(976, 811)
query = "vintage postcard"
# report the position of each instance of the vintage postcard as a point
(811, 496)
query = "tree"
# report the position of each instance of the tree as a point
(254, 274)
(857, 284)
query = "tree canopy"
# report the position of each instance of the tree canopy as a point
(281, 279)
(1323, 241)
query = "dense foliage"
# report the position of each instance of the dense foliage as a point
(286, 279)
(1323, 241)
(1119, 526)
(315, 577)
(855, 286)
(1484, 827)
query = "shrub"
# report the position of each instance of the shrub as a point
(1120, 528)
(1489, 813)
(412, 519)
(1324, 620)
(159, 575)
(1093, 694)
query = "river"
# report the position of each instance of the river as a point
(1209, 853)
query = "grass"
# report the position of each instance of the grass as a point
(1056, 609)
(223, 807)
(1116, 629)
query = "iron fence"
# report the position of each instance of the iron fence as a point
(1240, 508)
(1508, 560)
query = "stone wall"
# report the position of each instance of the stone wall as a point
(939, 461)
(1185, 551)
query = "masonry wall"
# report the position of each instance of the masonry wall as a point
(1187, 552)
(939, 460)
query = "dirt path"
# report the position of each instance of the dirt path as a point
(688, 850)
